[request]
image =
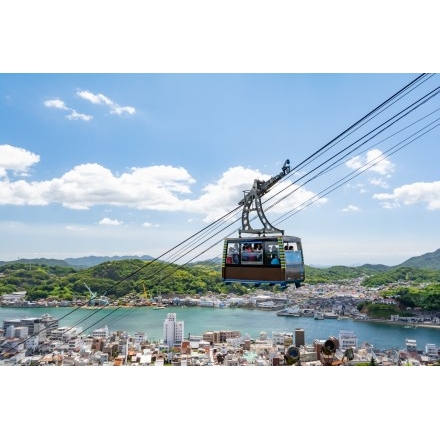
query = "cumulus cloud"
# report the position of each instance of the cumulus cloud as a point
(56, 103)
(88, 185)
(219, 197)
(160, 188)
(73, 114)
(374, 161)
(351, 208)
(427, 193)
(109, 222)
(101, 99)
(16, 159)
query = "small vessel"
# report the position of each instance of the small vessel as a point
(290, 311)
(158, 307)
(330, 315)
(318, 315)
(206, 302)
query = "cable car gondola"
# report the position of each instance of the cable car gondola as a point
(270, 256)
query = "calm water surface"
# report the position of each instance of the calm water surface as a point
(198, 320)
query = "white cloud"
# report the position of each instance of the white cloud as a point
(94, 99)
(358, 186)
(87, 185)
(56, 103)
(389, 205)
(150, 225)
(160, 188)
(117, 110)
(351, 208)
(374, 161)
(420, 192)
(109, 222)
(220, 197)
(73, 115)
(16, 159)
(75, 228)
(100, 99)
(379, 182)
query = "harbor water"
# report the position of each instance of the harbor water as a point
(252, 322)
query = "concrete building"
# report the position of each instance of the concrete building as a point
(172, 330)
(347, 339)
(431, 350)
(300, 338)
(212, 336)
(101, 332)
(282, 338)
(35, 325)
(17, 332)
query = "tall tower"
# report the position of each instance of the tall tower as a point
(299, 337)
(172, 330)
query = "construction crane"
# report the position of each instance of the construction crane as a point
(147, 297)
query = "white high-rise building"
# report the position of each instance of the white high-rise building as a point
(172, 330)
(101, 332)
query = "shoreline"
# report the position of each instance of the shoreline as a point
(401, 323)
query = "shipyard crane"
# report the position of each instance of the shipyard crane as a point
(92, 294)
(102, 300)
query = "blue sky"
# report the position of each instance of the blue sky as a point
(134, 164)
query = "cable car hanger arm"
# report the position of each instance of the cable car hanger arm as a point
(252, 202)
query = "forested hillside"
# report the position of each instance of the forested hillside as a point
(117, 278)
(114, 278)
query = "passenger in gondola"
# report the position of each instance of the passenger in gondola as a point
(275, 259)
(258, 251)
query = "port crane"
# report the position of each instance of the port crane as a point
(93, 300)
(92, 294)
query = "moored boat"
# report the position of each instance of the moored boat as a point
(289, 311)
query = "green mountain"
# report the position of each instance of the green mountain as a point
(38, 261)
(79, 263)
(431, 260)
(94, 261)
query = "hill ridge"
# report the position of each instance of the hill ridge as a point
(429, 260)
